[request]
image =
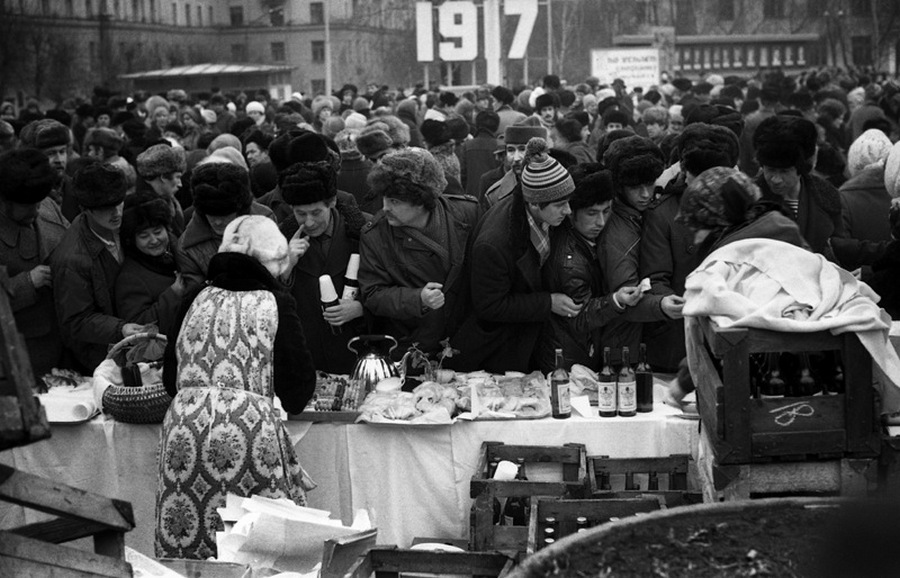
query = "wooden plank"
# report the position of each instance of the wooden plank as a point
(863, 437)
(510, 538)
(390, 560)
(110, 543)
(674, 463)
(59, 530)
(325, 416)
(798, 443)
(45, 495)
(56, 560)
(482, 534)
(790, 414)
(568, 454)
(736, 405)
(795, 477)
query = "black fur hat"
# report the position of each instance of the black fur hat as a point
(221, 189)
(143, 210)
(99, 185)
(308, 183)
(785, 141)
(26, 176)
(633, 161)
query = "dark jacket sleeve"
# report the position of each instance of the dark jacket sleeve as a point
(597, 311)
(136, 304)
(492, 290)
(295, 374)
(380, 293)
(76, 308)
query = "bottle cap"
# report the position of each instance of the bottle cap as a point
(353, 266)
(327, 292)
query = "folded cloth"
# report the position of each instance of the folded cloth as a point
(774, 285)
(68, 405)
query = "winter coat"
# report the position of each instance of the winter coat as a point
(144, 291)
(819, 213)
(475, 159)
(394, 267)
(500, 190)
(865, 203)
(199, 243)
(668, 255)
(510, 299)
(409, 119)
(573, 269)
(329, 350)
(747, 159)
(580, 150)
(33, 309)
(886, 272)
(84, 277)
(352, 179)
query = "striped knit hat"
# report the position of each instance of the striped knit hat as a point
(544, 180)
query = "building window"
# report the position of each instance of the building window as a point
(773, 9)
(237, 15)
(318, 51)
(174, 13)
(70, 7)
(861, 8)
(199, 15)
(318, 86)
(317, 13)
(89, 8)
(726, 9)
(238, 52)
(862, 50)
(209, 16)
(154, 16)
(187, 14)
(278, 54)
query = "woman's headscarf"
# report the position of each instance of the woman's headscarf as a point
(258, 237)
(719, 198)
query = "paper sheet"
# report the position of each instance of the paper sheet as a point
(69, 405)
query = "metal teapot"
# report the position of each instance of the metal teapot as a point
(374, 363)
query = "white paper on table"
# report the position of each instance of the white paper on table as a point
(69, 404)
(582, 405)
(146, 567)
(281, 535)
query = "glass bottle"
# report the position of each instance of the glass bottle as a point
(625, 387)
(643, 377)
(772, 383)
(560, 405)
(606, 389)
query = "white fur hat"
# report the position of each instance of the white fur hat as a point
(258, 237)
(870, 148)
(892, 172)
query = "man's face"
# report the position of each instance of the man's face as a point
(167, 185)
(161, 117)
(258, 117)
(315, 217)
(553, 214)
(547, 114)
(21, 213)
(103, 120)
(402, 213)
(483, 104)
(639, 196)
(611, 126)
(58, 157)
(783, 182)
(255, 155)
(515, 157)
(219, 223)
(590, 221)
(324, 113)
(655, 130)
(106, 219)
(96, 152)
(676, 124)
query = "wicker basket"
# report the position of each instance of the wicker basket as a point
(145, 404)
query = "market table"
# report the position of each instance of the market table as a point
(413, 480)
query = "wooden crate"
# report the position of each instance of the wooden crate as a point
(389, 561)
(484, 535)
(889, 466)
(666, 477)
(744, 430)
(834, 477)
(567, 512)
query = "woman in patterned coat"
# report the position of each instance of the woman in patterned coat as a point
(238, 343)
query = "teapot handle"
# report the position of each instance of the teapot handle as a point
(365, 338)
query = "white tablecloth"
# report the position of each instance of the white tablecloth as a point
(413, 480)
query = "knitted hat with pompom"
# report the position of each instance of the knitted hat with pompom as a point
(544, 180)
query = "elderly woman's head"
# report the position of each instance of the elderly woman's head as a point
(718, 199)
(258, 237)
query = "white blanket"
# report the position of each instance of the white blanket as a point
(777, 286)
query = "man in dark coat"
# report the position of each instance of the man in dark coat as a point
(354, 170)
(476, 155)
(53, 139)
(85, 266)
(31, 227)
(516, 139)
(412, 254)
(510, 298)
(324, 235)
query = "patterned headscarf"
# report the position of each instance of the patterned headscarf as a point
(717, 199)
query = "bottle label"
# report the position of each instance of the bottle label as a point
(606, 396)
(562, 397)
(627, 396)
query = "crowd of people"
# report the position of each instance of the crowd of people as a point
(503, 224)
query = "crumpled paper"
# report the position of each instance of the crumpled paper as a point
(66, 404)
(277, 533)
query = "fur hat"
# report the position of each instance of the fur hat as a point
(633, 161)
(360, 104)
(258, 237)
(346, 143)
(299, 146)
(106, 138)
(394, 127)
(521, 134)
(159, 160)
(892, 172)
(221, 189)
(592, 189)
(41, 134)
(717, 199)
(226, 155)
(435, 132)
(683, 84)
(448, 98)
(373, 140)
(503, 95)
(870, 148)
(254, 106)
(355, 120)
(222, 141)
(319, 103)
(544, 180)
(332, 126)
(785, 141)
(545, 100)
(615, 115)
(209, 116)
(308, 183)
(143, 210)
(411, 174)
(26, 176)
(718, 114)
(704, 146)
(99, 185)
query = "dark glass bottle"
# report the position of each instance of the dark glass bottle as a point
(772, 383)
(807, 385)
(606, 389)
(560, 405)
(643, 377)
(516, 511)
(625, 387)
